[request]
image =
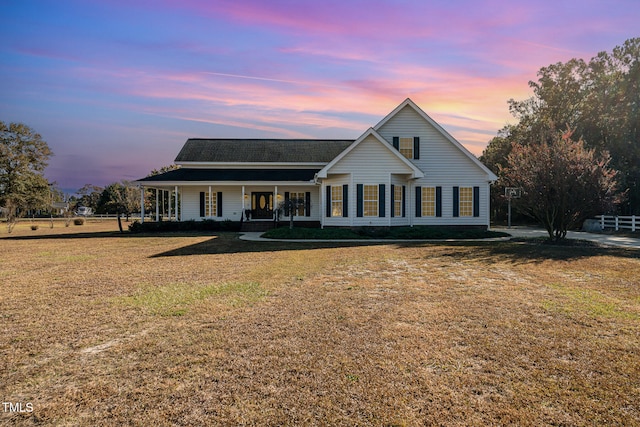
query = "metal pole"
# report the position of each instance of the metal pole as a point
(509, 220)
(141, 204)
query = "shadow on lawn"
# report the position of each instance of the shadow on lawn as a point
(103, 234)
(516, 251)
(528, 251)
(80, 235)
(513, 251)
(226, 243)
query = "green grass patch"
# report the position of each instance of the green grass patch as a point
(417, 232)
(175, 299)
(589, 301)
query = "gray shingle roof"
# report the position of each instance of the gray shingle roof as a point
(187, 174)
(262, 150)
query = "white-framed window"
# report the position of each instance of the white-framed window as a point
(370, 200)
(336, 200)
(466, 201)
(210, 204)
(299, 210)
(428, 201)
(406, 147)
(397, 201)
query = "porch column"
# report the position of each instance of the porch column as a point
(169, 204)
(275, 202)
(389, 198)
(411, 212)
(141, 204)
(177, 219)
(157, 205)
(211, 204)
(323, 204)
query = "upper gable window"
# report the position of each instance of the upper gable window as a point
(406, 147)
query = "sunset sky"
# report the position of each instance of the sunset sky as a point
(116, 87)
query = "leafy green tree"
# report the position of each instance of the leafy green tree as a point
(495, 158)
(89, 196)
(563, 183)
(23, 157)
(120, 198)
(600, 100)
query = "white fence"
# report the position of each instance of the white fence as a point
(619, 222)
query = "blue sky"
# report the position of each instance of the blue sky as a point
(116, 87)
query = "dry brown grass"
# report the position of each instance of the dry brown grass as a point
(99, 328)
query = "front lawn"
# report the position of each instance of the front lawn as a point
(103, 328)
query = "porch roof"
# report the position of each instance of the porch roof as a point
(249, 175)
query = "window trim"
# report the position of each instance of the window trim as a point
(465, 202)
(374, 189)
(428, 201)
(405, 146)
(337, 203)
(210, 204)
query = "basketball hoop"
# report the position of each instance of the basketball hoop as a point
(512, 192)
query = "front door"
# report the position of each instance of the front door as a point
(262, 205)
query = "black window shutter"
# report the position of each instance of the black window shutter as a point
(307, 203)
(381, 201)
(393, 201)
(328, 202)
(359, 200)
(202, 204)
(418, 202)
(456, 201)
(438, 201)
(345, 200)
(286, 203)
(416, 147)
(404, 199)
(396, 142)
(476, 201)
(219, 203)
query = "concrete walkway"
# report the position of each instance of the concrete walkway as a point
(604, 239)
(254, 236)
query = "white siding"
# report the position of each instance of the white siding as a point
(401, 221)
(443, 164)
(339, 221)
(370, 160)
(232, 200)
(370, 163)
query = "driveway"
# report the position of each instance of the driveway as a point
(605, 239)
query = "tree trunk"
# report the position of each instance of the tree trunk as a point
(119, 222)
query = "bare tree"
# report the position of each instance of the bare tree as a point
(290, 207)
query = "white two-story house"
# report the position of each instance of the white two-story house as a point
(405, 171)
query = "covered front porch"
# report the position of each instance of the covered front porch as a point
(248, 203)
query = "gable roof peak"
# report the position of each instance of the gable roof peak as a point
(408, 102)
